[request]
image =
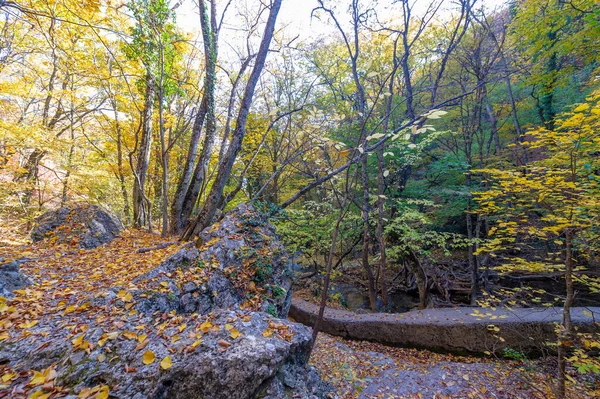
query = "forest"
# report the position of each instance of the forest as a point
(379, 158)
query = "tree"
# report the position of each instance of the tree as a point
(153, 44)
(554, 200)
(211, 204)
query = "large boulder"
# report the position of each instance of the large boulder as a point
(83, 225)
(11, 278)
(229, 355)
(240, 264)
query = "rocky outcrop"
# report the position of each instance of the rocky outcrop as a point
(240, 264)
(227, 356)
(193, 327)
(475, 330)
(11, 278)
(83, 225)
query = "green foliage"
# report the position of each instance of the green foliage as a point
(413, 231)
(154, 43)
(513, 354)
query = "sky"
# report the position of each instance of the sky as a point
(296, 14)
(295, 17)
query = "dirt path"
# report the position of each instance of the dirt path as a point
(364, 370)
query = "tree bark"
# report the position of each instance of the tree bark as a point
(141, 206)
(163, 149)
(567, 326)
(200, 171)
(120, 168)
(177, 221)
(417, 269)
(366, 238)
(211, 204)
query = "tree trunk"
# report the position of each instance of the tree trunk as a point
(200, 171)
(567, 327)
(366, 238)
(472, 259)
(211, 204)
(30, 174)
(120, 168)
(141, 204)
(421, 278)
(380, 236)
(163, 151)
(177, 221)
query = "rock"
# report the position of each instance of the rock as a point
(201, 308)
(460, 330)
(11, 278)
(240, 263)
(251, 365)
(83, 225)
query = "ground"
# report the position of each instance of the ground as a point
(366, 370)
(356, 369)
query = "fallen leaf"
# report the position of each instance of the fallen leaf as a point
(148, 357)
(166, 363)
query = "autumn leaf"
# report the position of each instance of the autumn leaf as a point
(148, 357)
(166, 364)
(124, 296)
(234, 333)
(206, 326)
(40, 395)
(268, 333)
(8, 377)
(103, 392)
(223, 343)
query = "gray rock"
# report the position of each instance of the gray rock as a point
(87, 226)
(252, 366)
(242, 243)
(11, 278)
(451, 329)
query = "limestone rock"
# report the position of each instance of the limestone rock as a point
(240, 261)
(83, 225)
(11, 278)
(251, 365)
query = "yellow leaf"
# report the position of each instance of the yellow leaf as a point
(77, 341)
(166, 364)
(40, 395)
(37, 379)
(124, 296)
(28, 324)
(195, 344)
(103, 392)
(142, 338)
(148, 357)
(234, 333)
(130, 335)
(206, 326)
(268, 333)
